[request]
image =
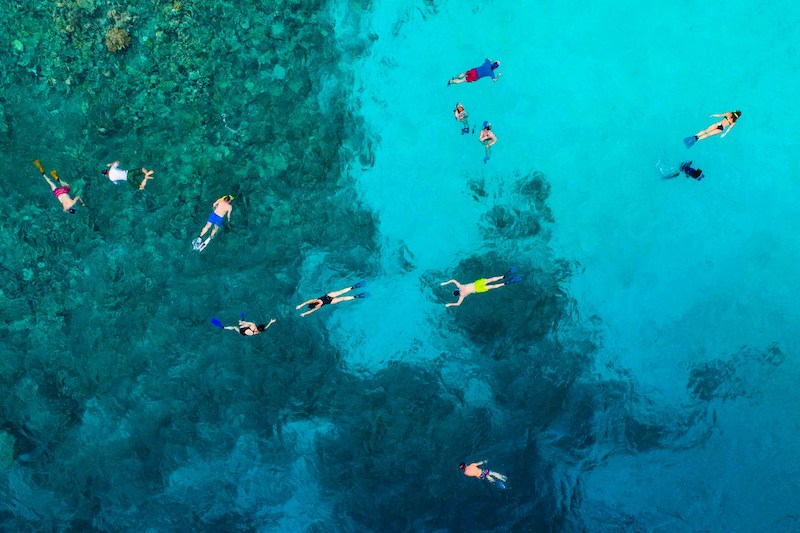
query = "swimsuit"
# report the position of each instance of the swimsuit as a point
(480, 286)
(484, 473)
(325, 300)
(215, 219)
(719, 127)
(58, 191)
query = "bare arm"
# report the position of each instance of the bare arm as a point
(310, 311)
(716, 115)
(270, 323)
(456, 304)
(305, 303)
(446, 282)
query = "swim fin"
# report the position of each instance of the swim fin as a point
(202, 245)
(39, 166)
(485, 160)
(689, 141)
(217, 323)
(511, 272)
(362, 295)
(359, 284)
(196, 243)
(241, 315)
(500, 484)
(515, 279)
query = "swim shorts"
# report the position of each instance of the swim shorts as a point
(480, 285)
(472, 75)
(215, 219)
(58, 191)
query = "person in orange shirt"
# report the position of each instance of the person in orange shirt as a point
(475, 470)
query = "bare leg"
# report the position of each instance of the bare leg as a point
(492, 280)
(337, 293)
(461, 78)
(148, 175)
(709, 132)
(52, 185)
(495, 476)
(205, 228)
(214, 231)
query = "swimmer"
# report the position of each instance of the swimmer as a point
(463, 117)
(62, 191)
(117, 175)
(332, 298)
(245, 328)
(686, 168)
(474, 74)
(221, 208)
(487, 139)
(475, 470)
(728, 121)
(481, 285)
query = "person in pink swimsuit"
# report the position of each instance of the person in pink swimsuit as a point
(62, 193)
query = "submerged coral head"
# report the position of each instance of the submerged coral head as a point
(117, 39)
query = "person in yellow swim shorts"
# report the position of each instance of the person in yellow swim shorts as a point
(481, 285)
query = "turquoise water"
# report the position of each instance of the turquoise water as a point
(641, 378)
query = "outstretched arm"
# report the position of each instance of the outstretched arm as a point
(456, 304)
(310, 311)
(716, 115)
(305, 303)
(446, 282)
(270, 323)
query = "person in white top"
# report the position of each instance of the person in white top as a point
(117, 175)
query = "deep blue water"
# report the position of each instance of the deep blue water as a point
(640, 378)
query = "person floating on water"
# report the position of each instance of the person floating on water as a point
(487, 139)
(463, 117)
(728, 120)
(481, 285)
(475, 470)
(62, 191)
(117, 175)
(245, 328)
(221, 208)
(487, 69)
(333, 298)
(686, 168)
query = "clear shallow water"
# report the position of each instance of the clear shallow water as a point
(640, 379)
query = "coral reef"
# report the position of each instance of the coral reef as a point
(117, 39)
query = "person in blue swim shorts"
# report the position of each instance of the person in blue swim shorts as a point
(221, 208)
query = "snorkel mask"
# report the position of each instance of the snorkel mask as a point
(227, 198)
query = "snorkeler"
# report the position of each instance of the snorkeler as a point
(474, 74)
(686, 168)
(62, 191)
(463, 117)
(117, 175)
(333, 298)
(487, 139)
(221, 208)
(245, 328)
(475, 470)
(481, 285)
(728, 120)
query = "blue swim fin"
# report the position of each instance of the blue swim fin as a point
(515, 279)
(359, 284)
(500, 484)
(511, 272)
(689, 141)
(217, 323)
(362, 295)
(242, 315)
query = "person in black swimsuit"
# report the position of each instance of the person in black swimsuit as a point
(250, 328)
(728, 121)
(332, 298)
